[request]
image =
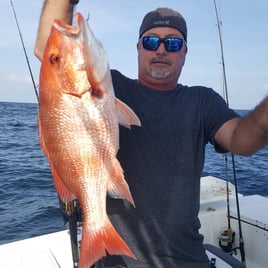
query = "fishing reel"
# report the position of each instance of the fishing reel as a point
(226, 240)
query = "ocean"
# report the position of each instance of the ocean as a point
(28, 201)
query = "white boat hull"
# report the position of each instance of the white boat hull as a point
(254, 220)
(54, 250)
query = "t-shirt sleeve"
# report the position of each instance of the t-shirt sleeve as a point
(217, 113)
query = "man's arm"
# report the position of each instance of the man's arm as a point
(248, 134)
(52, 9)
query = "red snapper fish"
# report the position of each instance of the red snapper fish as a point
(78, 119)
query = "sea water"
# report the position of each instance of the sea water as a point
(28, 201)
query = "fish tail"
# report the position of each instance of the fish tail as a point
(94, 246)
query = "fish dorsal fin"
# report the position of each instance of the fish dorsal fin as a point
(125, 115)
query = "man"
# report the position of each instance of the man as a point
(163, 159)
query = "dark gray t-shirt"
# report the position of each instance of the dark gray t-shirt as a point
(162, 162)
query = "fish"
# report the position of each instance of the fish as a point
(78, 126)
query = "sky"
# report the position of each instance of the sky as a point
(116, 24)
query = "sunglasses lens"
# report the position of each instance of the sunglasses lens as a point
(151, 42)
(172, 44)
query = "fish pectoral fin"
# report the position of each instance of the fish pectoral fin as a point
(41, 141)
(125, 115)
(118, 187)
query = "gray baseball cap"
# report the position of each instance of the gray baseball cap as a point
(164, 17)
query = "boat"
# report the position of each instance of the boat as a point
(235, 233)
(250, 214)
(54, 249)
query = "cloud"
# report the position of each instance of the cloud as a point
(19, 79)
(116, 25)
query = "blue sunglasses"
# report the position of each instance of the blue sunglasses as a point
(172, 44)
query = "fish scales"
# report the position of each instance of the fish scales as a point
(78, 119)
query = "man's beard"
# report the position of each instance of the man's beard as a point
(159, 73)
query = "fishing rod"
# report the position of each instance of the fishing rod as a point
(225, 93)
(25, 53)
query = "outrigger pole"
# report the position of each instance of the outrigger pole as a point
(225, 93)
(69, 209)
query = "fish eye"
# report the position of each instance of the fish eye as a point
(54, 59)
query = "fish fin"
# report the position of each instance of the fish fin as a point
(41, 141)
(64, 193)
(96, 245)
(118, 187)
(126, 116)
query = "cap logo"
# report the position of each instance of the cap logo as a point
(162, 22)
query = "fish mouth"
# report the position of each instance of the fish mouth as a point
(68, 30)
(72, 31)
